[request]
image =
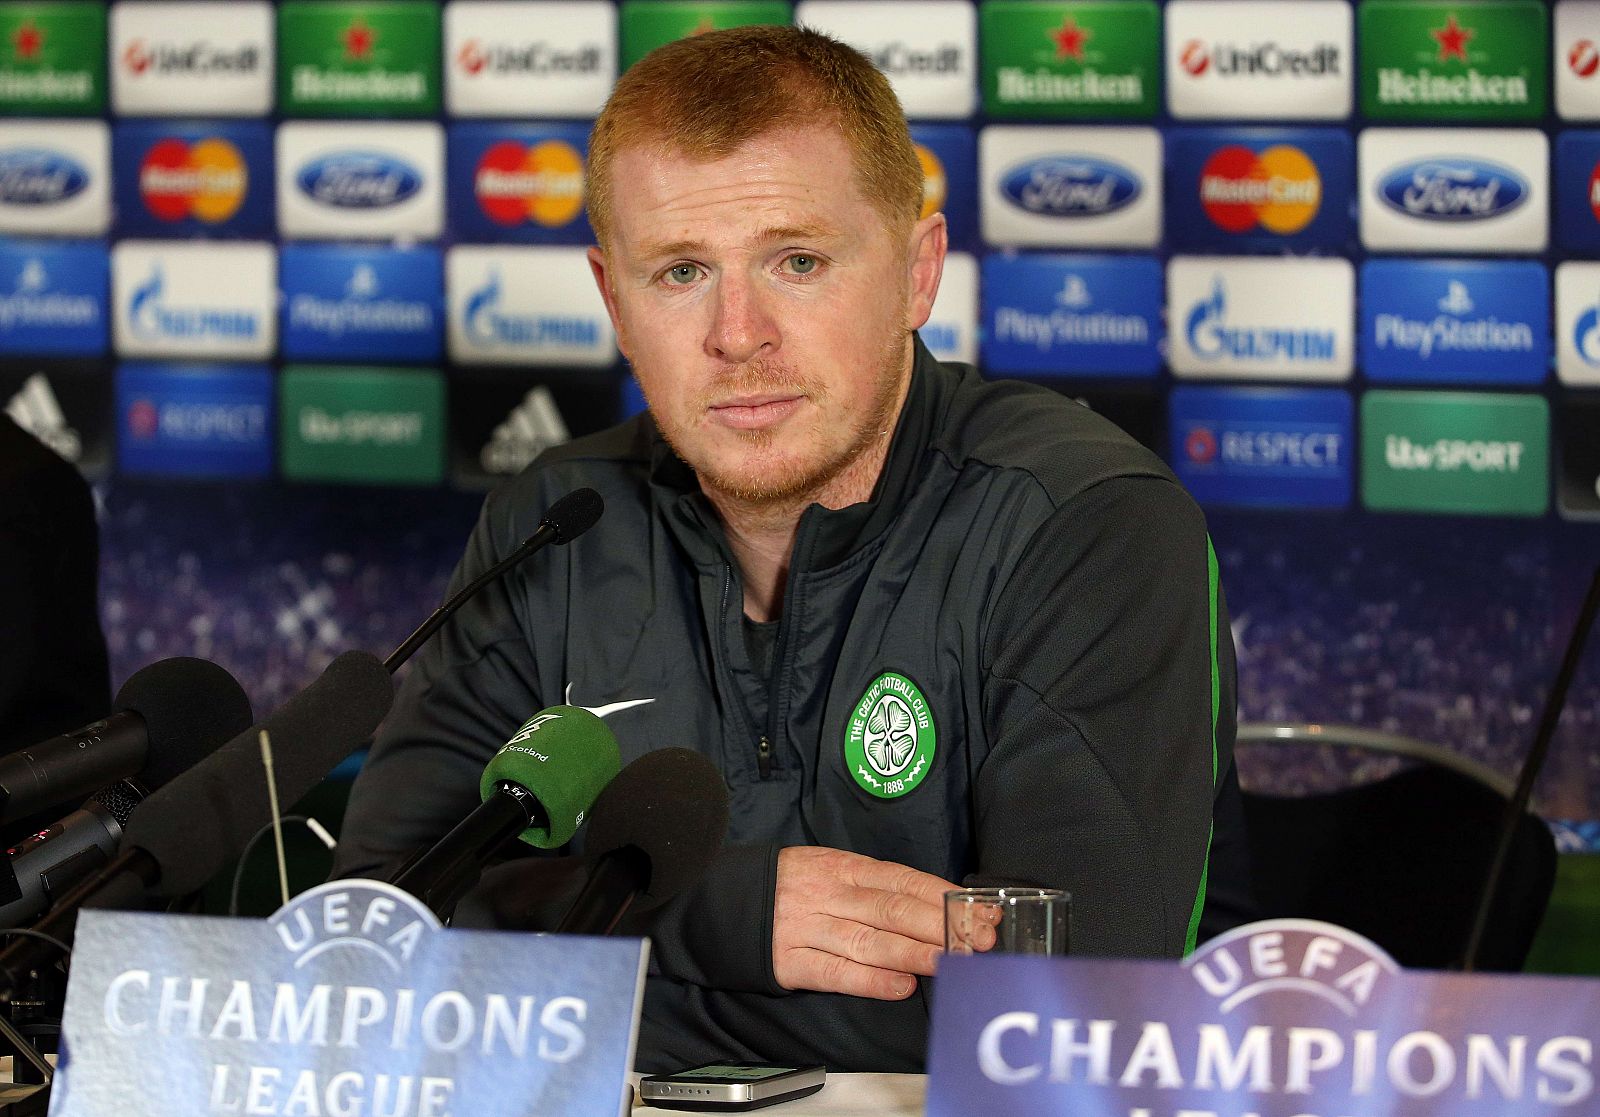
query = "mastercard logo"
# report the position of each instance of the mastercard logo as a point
(935, 186)
(1278, 189)
(542, 183)
(204, 180)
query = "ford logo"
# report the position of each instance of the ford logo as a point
(358, 180)
(1453, 189)
(1059, 186)
(33, 176)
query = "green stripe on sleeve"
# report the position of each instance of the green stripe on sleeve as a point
(1216, 705)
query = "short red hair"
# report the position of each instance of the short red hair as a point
(708, 95)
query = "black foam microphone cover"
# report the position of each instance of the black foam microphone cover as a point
(574, 514)
(197, 823)
(189, 706)
(672, 806)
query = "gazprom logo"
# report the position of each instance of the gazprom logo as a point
(152, 320)
(32, 176)
(488, 326)
(1058, 186)
(1586, 336)
(1456, 189)
(1212, 338)
(359, 180)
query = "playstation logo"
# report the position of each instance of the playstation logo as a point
(33, 278)
(363, 283)
(1074, 293)
(1457, 299)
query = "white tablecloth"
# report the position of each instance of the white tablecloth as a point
(843, 1095)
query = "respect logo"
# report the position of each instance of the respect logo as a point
(1278, 190)
(206, 180)
(542, 182)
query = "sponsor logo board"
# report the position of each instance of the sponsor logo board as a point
(1265, 188)
(1578, 323)
(1261, 318)
(949, 157)
(1577, 189)
(1578, 472)
(539, 306)
(927, 50)
(500, 419)
(349, 303)
(1576, 60)
(180, 179)
(167, 301)
(170, 59)
(1454, 189)
(1457, 452)
(951, 331)
(1078, 187)
(360, 180)
(1086, 316)
(1057, 61)
(512, 58)
(1264, 447)
(52, 58)
(194, 420)
(53, 298)
(1258, 59)
(1484, 61)
(1455, 322)
(647, 24)
(55, 177)
(362, 425)
(357, 59)
(64, 404)
(520, 182)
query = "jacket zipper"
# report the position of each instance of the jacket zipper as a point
(764, 758)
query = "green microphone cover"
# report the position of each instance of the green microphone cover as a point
(565, 756)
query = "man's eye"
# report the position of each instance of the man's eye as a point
(802, 264)
(682, 273)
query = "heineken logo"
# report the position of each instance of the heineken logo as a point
(1487, 60)
(890, 740)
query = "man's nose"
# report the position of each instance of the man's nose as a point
(742, 325)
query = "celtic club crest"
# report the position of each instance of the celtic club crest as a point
(889, 743)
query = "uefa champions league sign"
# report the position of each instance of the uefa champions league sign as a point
(349, 1002)
(1285, 1018)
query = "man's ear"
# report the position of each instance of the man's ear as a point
(600, 267)
(925, 252)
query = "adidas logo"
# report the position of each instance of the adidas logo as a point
(36, 411)
(533, 427)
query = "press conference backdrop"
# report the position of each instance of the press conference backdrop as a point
(294, 283)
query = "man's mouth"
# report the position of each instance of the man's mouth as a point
(753, 412)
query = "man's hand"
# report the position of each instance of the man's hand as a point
(844, 923)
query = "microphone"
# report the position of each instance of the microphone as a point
(538, 787)
(180, 836)
(567, 519)
(162, 710)
(654, 831)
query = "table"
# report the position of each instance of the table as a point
(843, 1095)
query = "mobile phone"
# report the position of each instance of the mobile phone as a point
(730, 1087)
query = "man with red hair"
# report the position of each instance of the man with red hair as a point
(933, 631)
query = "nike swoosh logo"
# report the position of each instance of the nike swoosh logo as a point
(609, 708)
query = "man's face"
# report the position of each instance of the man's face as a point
(765, 306)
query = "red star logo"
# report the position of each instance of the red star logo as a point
(28, 40)
(358, 40)
(1070, 39)
(1453, 39)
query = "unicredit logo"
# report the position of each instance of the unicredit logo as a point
(190, 58)
(359, 180)
(1584, 58)
(1071, 187)
(1267, 59)
(477, 57)
(1456, 189)
(32, 176)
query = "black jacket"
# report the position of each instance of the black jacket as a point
(1038, 575)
